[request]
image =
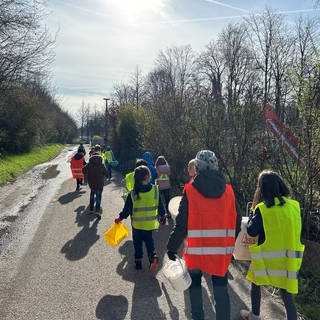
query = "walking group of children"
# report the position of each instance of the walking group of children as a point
(95, 171)
(206, 224)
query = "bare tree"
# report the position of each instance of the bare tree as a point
(24, 43)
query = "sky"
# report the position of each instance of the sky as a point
(100, 43)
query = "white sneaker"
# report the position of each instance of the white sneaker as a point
(248, 315)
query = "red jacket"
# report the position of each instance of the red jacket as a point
(211, 231)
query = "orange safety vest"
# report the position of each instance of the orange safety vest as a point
(211, 231)
(76, 168)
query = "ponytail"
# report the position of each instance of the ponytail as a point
(140, 174)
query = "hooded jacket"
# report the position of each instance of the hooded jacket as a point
(147, 156)
(95, 171)
(211, 184)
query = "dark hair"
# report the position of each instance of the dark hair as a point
(140, 174)
(141, 162)
(270, 185)
(161, 160)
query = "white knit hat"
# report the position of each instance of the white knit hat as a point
(206, 160)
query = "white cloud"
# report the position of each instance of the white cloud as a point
(100, 42)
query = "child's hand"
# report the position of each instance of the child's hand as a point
(118, 220)
(163, 220)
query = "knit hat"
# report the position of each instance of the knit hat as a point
(206, 160)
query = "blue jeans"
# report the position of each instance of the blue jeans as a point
(220, 292)
(95, 194)
(140, 236)
(165, 195)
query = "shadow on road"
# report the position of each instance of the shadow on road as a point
(78, 247)
(70, 196)
(112, 308)
(146, 286)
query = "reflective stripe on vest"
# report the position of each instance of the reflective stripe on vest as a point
(144, 218)
(276, 273)
(211, 233)
(277, 254)
(278, 259)
(209, 250)
(145, 210)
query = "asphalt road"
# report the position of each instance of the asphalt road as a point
(55, 264)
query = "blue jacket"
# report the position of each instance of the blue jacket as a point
(147, 156)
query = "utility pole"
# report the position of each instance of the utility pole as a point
(106, 122)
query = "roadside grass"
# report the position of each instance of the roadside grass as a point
(15, 165)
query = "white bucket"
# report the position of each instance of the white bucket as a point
(173, 206)
(177, 274)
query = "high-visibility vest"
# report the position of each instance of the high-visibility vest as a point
(130, 181)
(211, 231)
(108, 155)
(76, 168)
(278, 259)
(104, 157)
(145, 210)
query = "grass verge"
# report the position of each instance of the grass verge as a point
(14, 165)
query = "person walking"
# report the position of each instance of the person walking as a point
(144, 207)
(276, 258)
(95, 172)
(77, 162)
(130, 176)
(82, 149)
(109, 159)
(163, 179)
(207, 221)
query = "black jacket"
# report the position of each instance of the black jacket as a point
(209, 183)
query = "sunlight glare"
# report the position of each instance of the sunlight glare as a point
(134, 10)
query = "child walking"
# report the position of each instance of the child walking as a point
(277, 257)
(163, 180)
(95, 172)
(143, 205)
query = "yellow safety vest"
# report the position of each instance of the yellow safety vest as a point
(130, 181)
(108, 155)
(145, 210)
(277, 261)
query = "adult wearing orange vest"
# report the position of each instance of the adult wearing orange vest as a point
(77, 162)
(207, 221)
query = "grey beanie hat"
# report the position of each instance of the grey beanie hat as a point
(206, 160)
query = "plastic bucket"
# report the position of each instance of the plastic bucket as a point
(116, 233)
(177, 274)
(174, 206)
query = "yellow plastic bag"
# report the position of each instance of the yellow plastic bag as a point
(116, 233)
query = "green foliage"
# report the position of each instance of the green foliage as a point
(14, 165)
(128, 134)
(29, 117)
(97, 140)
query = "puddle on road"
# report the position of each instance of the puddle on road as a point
(50, 173)
(2, 231)
(10, 218)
